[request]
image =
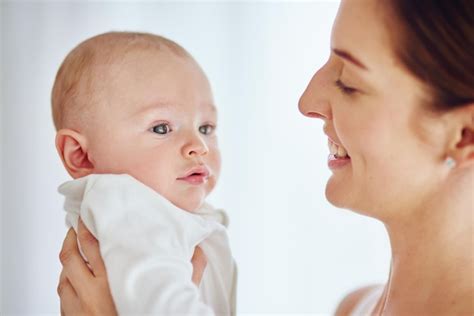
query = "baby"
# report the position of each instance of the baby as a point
(135, 125)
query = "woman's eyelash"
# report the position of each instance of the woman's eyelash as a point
(345, 89)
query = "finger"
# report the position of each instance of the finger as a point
(66, 294)
(65, 288)
(62, 280)
(69, 301)
(74, 266)
(90, 247)
(199, 262)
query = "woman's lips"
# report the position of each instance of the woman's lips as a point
(335, 162)
(338, 156)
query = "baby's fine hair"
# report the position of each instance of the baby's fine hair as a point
(74, 89)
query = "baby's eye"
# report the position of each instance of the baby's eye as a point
(206, 129)
(162, 129)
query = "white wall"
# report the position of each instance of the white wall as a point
(1, 158)
(296, 253)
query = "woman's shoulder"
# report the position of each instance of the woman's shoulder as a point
(353, 301)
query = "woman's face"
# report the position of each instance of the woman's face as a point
(373, 109)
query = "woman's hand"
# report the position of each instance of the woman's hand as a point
(83, 287)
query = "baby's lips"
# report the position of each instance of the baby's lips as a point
(198, 170)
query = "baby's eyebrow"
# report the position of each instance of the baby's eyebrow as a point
(213, 108)
(154, 107)
(167, 106)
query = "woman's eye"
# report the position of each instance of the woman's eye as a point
(162, 129)
(206, 129)
(345, 89)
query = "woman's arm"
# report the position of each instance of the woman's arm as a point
(83, 287)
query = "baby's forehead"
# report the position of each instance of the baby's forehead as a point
(120, 59)
(113, 52)
(154, 80)
(120, 71)
(126, 94)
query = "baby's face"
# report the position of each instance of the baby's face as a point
(156, 122)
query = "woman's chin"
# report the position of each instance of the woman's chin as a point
(339, 193)
(344, 196)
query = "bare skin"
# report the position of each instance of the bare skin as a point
(397, 171)
(434, 275)
(83, 288)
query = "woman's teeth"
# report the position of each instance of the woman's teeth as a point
(337, 150)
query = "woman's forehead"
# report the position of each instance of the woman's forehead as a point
(361, 30)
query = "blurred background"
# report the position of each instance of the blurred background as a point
(296, 253)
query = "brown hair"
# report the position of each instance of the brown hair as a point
(75, 86)
(436, 44)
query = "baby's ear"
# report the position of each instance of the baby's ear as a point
(72, 148)
(462, 144)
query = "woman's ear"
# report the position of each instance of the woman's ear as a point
(72, 148)
(461, 148)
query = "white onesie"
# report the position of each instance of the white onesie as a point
(147, 243)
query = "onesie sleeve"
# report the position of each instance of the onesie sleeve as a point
(147, 244)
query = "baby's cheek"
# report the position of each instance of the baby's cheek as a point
(215, 161)
(109, 158)
(216, 171)
(110, 163)
(211, 184)
(154, 182)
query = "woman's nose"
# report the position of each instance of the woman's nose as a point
(315, 101)
(195, 146)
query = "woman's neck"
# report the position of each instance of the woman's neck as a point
(432, 258)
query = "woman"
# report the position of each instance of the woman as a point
(397, 100)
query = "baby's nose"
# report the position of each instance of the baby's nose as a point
(195, 147)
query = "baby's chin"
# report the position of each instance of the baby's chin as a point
(192, 208)
(189, 204)
(190, 199)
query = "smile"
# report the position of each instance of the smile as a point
(336, 150)
(338, 156)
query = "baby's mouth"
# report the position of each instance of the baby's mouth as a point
(197, 175)
(337, 150)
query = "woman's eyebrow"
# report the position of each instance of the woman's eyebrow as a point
(347, 56)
